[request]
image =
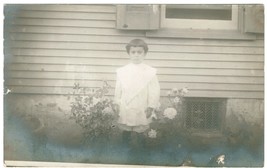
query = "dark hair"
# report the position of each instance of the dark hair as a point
(137, 43)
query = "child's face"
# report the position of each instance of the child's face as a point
(137, 54)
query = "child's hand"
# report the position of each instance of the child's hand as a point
(149, 111)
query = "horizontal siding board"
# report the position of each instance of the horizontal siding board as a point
(125, 39)
(64, 23)
(213, 86)
(74, 30)
(155, 63)
(112, 69)
(64, 15)
(207, 49)
(165, 78)
(69, 8)
(150, 55)
(163, 85)
(69, 90)
(121, 47)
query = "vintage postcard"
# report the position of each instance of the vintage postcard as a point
(134, 84)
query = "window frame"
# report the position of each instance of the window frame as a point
(211, 34)
(200, 23)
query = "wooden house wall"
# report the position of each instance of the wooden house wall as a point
(50, 47)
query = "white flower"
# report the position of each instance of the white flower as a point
(176, 100)
(108, 110)
(170, 113)
(184, 91)
(168, 93)
(95, 100)
(152, 133)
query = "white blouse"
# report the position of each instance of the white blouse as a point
(137, 88)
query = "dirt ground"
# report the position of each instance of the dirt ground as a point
(42, 131)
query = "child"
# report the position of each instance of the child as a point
(137, 91)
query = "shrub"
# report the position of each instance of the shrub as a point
(94, 111)
(167, 122)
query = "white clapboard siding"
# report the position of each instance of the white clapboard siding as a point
(164, 85)
(34, 14)
(70, 8)
(193, 93)
(50, 36)
(63, 23)
(48, 48)
(150, 55)
(112, 69)
(155, 63)
(73, 31)
(120, 47)
(105, 76)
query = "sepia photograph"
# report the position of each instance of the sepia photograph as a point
(143, 85)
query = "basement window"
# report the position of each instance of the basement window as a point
(205, 114)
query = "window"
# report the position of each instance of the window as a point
(200, 17)
(229, 22)
(204, 114)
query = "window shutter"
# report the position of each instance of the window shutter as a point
(254, 19)
(138, 17)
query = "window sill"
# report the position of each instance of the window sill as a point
(201, 34)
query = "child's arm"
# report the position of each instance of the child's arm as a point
(153, 95)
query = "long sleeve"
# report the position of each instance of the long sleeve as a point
(153, 92)
(118, 92)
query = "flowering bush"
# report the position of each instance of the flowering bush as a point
(168, 119)
(176, 97)
(93, 111)
(175, 103)
(96, 113)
